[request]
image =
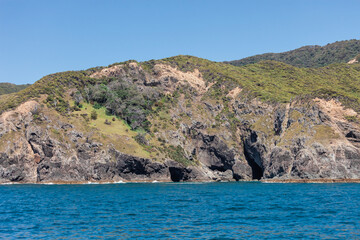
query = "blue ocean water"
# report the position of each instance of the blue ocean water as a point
(251, 210)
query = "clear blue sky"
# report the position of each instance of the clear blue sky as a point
(40, 37)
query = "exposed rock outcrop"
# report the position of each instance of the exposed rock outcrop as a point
(241, 138)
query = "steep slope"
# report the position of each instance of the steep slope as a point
(309, 56)
(184, 119)
(6, 88)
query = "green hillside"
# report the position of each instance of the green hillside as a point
(279, 82)
(268, 80)
(54, 85)
(309, 56)
(6, 88)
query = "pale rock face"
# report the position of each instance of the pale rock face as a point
(352, 61)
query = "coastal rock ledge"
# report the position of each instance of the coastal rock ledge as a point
(32, 153)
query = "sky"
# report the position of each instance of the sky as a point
(40, 37)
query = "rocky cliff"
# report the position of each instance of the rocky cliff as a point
(201, 125)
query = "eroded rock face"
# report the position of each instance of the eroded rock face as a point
(301, 140)
(310, 146)
(30, 154)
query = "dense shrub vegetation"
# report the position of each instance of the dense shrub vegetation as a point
(309, 56)
(6, 88)
(54, 85)
(125, 100)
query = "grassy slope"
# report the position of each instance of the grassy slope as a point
(309, 56)
(107, 133)
(279, 82)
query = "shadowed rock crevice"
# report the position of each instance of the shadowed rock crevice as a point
(257, 171)
(176, 174)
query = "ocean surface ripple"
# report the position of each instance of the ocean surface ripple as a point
(246, 210)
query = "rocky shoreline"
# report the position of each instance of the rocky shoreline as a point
(311, 181)
(162, 181)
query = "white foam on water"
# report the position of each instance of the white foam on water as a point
(190, 183)
(92, 182)
(9, 183)
(119, 182)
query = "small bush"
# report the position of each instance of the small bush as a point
(97, 106)
(178, 154)
(94, 115)
(352, 118)
(76, 108)
(141, 139)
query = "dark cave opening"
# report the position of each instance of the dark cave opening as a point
(257, 171)
(176, 174)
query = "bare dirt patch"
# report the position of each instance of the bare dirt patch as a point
(109, 72)
(24, 108)
(233, 93)
(194, 78)
(352, 61)
(335, 110)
